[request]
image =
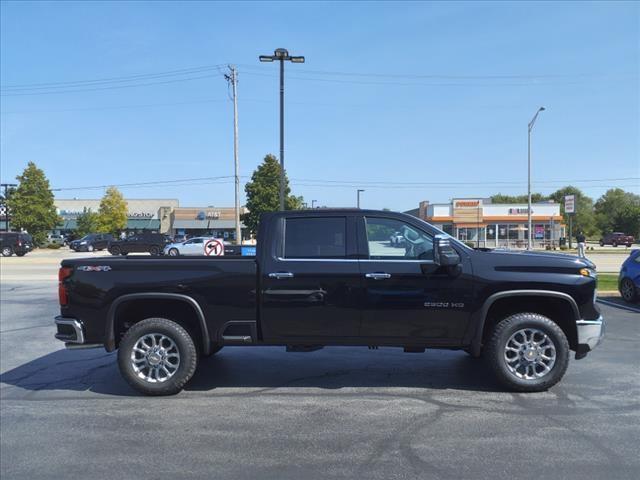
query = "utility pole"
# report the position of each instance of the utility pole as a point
(313, 203)
(531, 124)
(6, 187)
(281, 55)
(359, 190)
(232, 78)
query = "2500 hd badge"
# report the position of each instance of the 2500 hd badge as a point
(332, 277)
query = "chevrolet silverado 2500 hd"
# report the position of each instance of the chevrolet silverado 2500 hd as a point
(331, 277)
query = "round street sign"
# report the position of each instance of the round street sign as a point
(214, 248)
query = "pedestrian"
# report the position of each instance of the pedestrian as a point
(581, 243)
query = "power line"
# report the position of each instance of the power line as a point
(355, 183)
(126, 78)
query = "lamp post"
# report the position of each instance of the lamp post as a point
(281, 55)
(313, 203)
(531, 124)
(359, 190)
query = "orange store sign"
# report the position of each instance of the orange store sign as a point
(466, 204)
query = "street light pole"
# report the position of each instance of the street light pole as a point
(359, 197)
(531, 124)
(281, 55)
(313, 203)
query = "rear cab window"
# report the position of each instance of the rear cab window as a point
(315, 238)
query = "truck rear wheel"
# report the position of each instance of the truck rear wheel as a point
(157, 357)
(528, 352)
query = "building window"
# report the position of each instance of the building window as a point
(491, 232)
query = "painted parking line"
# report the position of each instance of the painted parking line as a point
(619, 305)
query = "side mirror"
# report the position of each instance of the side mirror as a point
(444, 254)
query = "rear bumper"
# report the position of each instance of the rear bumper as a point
(71, 332)
(590, 333)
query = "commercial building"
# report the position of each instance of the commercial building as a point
(485, 224)
(143, 214)
(162, 215)
(218, 222)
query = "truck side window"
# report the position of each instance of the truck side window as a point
(316, 237)
(390, 239)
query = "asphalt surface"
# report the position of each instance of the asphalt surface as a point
(335, 413)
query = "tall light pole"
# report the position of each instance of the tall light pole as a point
(359, 190)
(281, 55)
(313, 203)
(531, 124)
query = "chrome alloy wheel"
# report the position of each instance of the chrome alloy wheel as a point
(155, 358)
(530, 354)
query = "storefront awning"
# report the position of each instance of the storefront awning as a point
(205, 224)
(143, 224)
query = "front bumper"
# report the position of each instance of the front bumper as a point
(71, 332)
(590, 333)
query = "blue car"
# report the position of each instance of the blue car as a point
(629, 279)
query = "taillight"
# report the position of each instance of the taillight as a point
(63, 274)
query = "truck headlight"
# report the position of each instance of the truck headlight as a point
(83, 243)
(587, 272)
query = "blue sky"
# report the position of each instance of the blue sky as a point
(409, 101)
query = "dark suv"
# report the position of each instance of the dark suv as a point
(153, 243)
(617, 238)
(91, 242)
(15, 242)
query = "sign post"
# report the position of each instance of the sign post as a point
(570, 209)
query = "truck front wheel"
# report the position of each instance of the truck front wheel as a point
(528, 352)
(157, 357)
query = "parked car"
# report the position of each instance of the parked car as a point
(193, 246)
(56, 239)
(315, 282)
(629, 278)
(15, 242)
(91, 242)
(396, 240)
(153, 243)
(179, 238)
(617, 238)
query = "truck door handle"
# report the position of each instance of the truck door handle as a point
(279, 275)
(378, 275)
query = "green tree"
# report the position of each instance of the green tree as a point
(618, 211)
(31, 204)
(535, 198)
(112, 214)
(584, 218)
(263, 193)
(87, 222)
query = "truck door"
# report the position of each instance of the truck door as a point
(405, 294)
(310, 279)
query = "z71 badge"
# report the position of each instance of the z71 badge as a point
(94, 268)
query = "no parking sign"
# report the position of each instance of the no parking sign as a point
(214, 248)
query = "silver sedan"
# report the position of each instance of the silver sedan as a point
(193, 246)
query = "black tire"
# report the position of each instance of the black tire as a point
(628, 290)
(154, 250)
(21, 254)
(173, 252)
(185, 347)
(7, 251)
(601, 243)
(114, 250)
(494, 352)
(89, 248)
(614, 244)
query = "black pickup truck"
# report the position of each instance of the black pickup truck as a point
(332, 277)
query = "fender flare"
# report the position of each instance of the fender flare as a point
(110, 342)
(476, 342)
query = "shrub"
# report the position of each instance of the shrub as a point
(54, 246)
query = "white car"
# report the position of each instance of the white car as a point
(193, 246)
